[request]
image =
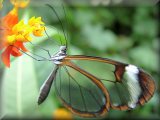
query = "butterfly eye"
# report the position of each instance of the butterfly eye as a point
(63, 48)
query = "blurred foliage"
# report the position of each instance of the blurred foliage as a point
(127, 34)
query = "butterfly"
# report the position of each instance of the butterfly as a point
(133, 86)
(86, 93)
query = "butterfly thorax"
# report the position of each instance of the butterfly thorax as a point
(58, 57)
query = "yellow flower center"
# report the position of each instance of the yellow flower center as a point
(37, 25)
(21, 31)
(11, 39)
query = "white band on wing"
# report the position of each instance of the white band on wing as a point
(134, 88)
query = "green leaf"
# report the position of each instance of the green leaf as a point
(81, 21)
(145, 57)
(20, 89)
(98, 38)
(1, 5)
(147, 28)
(122, 44)
(75, 51)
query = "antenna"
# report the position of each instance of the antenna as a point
(42, 58)
(50, 37)
(60, 22)
(66, 20)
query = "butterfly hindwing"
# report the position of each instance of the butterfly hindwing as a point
(81, 92)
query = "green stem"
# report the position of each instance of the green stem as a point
(1, 5)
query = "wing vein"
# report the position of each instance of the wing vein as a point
(80, 86)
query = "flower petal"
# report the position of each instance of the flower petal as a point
(11, 18)
(6, 56)
(20, 45)
(15, 52)
(11, 39)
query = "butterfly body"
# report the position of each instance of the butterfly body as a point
(58, 57)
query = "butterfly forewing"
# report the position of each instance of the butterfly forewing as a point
(79, 93)
(119, 94)
(127, 85)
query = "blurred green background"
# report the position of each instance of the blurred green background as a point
(123, 33)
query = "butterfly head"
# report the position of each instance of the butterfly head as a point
(63, 49)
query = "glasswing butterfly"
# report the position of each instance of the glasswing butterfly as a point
(133, 86)
(88, 93)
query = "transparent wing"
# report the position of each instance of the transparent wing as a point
(81, 92)
(127, 85)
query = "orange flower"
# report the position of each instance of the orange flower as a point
(7, 23)
(10, 50)
(15, 33)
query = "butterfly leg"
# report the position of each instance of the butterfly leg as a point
(42, 58)
(37, 46)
